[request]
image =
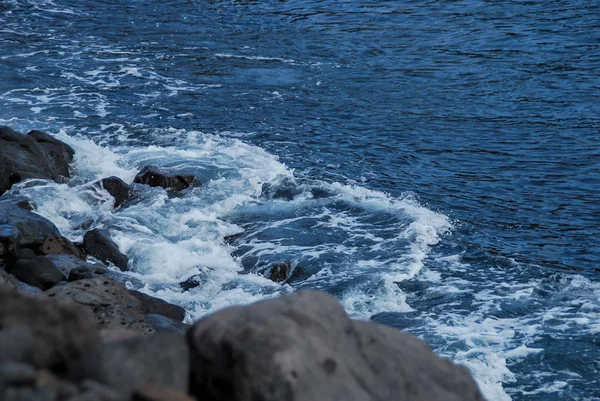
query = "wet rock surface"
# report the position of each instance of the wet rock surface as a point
(157, 177)
(98, 244)
(117, 188)
(35, 155)
(39, 272)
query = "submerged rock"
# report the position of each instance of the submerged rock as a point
(109, 301)
(98, 244)
(117, 188)
(191, 282)
(303, 347)
(156, 177)
(279, 272)
(35, 155)
(126, 365)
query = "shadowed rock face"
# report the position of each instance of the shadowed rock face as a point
(304, 347)
(98, 244)
(117, 188)
(35, 155)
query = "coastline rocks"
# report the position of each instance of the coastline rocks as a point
(110, 303)
(128, 364)
(160, 322)
(152, 305)
(117, 188)
(304, 347)
(46, 333)
(157, 177)
(35, 155)
(192, 282)
(97, 243)
(39, 272)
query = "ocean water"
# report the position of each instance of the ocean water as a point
(434, 165)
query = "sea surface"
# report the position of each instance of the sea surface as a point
(435, 165)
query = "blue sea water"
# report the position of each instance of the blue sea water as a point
(434, 165)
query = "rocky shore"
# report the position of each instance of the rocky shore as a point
(70, 329)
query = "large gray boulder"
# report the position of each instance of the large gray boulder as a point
(126, 365)
(109, 301)
(46, 333)
(35, 155)
(303, 347)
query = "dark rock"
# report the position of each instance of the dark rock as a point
(160, 322)
(8, 280)
(154, 392)
(16, 344)
(20, 228)
(279, 272)
(39, 272)
(117, 188)
(158, 306)
(67, 263)
(161, 359)
(98, 244)
(287, 189)
(190, 283)
(26, 254)
(92, 391)
(230, 239)
(55, 387)
(62, 332)
(54, 245)
(109, 301)
(35, 155)
(156, 177)
(303, 347)
(87, 272)
(17, 374)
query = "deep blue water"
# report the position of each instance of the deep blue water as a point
(435, 165)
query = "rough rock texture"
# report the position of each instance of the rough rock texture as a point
(22, 228)
(117, 188)
(156, 177)
(279, 272)
(110, 303)
(303, 347)
(67, 263)
(126, 365)
(154, 392)
(158, 306)
(53, 245)
(39, 272)
(87, 272)
(98, 244)
(48, 334)
(35, 155)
